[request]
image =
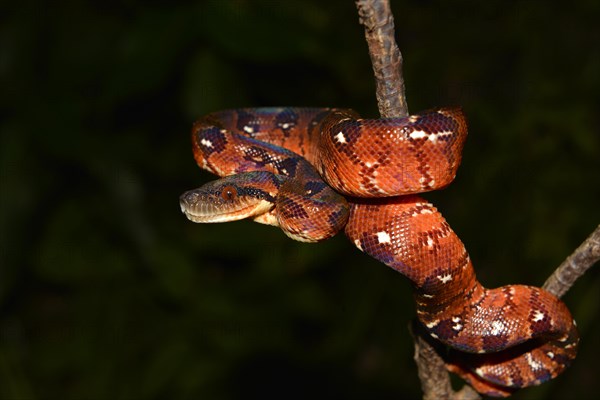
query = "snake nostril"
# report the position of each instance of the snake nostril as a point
(188, 199)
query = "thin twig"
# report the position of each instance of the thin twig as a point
(575, 265)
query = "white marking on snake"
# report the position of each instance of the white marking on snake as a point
(429, 242)
(418, 134)
(532, 363)
(430, 182)
(432, 323)
(340, 137)
(413, 118)
(248, 129)
(550, 354)
(458, 325)
(383, 237)
(357, 244)
(426, 210)
(538, 316)
(564, 339)
(206, 143)
(445, 278)
(435, 136)
(497, 328)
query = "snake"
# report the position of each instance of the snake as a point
(314, 172)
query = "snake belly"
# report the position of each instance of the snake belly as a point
(316, 171)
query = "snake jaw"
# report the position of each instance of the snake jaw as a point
(203, 208)
(229, 199)
(198, 208)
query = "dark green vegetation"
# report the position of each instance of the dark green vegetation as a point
(107, 291)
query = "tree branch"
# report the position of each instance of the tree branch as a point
(431, 368)
(575, 265)
(386, 59)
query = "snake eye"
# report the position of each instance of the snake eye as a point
(229, 193)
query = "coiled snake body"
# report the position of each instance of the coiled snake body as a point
(279, 166)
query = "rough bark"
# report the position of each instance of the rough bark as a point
(586, 255)
(377, 18)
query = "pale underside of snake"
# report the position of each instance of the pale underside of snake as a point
(316, 171)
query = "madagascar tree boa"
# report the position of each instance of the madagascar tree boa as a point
(315, 171)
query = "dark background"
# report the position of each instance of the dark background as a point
(107, 291)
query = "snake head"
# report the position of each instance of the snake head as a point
(232, 198)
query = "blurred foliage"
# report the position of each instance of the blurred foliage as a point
(107, 291)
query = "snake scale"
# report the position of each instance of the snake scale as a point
(316, 171)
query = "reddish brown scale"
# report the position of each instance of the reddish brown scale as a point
(529, 334)
(302, 218)
(394, 156)
(412, 237)
(290, 128)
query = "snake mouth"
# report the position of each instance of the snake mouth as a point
(202, 207)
